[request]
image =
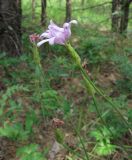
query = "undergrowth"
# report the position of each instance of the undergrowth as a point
(34, 96)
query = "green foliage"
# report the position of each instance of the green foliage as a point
(60, 67)
(57, 49)
(96, 49)
(125, 68)
(13, 131)
(103, 145)
(49, 103)
(7, 61)
(10, 67)
(111, 118)
(10, 111)
(31, 119)
(30, 152)
(16, 130)
(8, 94)
(59, 136)
(50, 94)
(52, 101)
(10, 91)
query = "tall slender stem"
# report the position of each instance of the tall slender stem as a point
(89, 84)
(100, 116)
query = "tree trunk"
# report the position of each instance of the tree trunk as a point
(43, 12)
(82, 2)
(33, 9)
(68, 10)
(120, 15)
(115, 15)
(10, 26)
(124, 16)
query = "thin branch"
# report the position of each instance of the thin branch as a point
(98, 5)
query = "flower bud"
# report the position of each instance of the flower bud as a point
(89, 87)
(73, 54)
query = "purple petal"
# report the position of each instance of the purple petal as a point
(52, 41)
(54, 27)
(59, 41)
(56, 34)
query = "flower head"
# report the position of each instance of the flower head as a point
(57, 122)
(55, 34)
(34, 38)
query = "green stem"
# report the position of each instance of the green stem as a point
(72, 151)
(90, 85)
(104, 96)
(86, 154)
(82, 143)
(100, 116)
(39, 75)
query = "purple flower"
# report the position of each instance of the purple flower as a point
(55, 34)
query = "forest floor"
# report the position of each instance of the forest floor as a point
(72, 88)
